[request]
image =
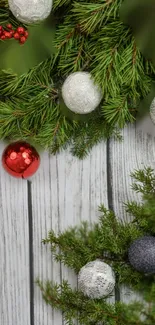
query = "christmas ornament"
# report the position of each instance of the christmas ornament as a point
(142, 254)
(20, 159)
(152, 111)
(80, 94)
(30, 11)
(96, 279)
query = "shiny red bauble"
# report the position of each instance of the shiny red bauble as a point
(20, 159)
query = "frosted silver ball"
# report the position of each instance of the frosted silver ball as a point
(96, 279)
(80, 94)
(142, 254)
(152, 111)
(30, 11)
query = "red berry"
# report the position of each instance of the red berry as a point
(9, 26)
(11, 32)
(16, 35)
(3, 37)
(26, 34)
(7, 34)
(1, 28)
(20, 30)
(22, 39)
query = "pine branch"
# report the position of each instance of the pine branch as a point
(61, 3)
(143, 214)
(84, 140)
(6, 16)
(3, 3)
(116, 111)
(91, 16)
(75, 305)
(108, 240)
(144, 181)
(89, 37)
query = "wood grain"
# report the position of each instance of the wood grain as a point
(64, 192)
(136, 151)
(14, 251)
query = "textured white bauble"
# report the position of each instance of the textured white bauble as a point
(152, 111)
(96, 279)
(30, 11)
(80, 94)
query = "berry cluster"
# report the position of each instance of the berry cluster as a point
(20, 34)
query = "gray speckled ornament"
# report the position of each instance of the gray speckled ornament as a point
(30, 11)
(96, 279)
(152, 111)
(80, 94)
(141, 254)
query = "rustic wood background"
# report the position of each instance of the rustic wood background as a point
(63, 192)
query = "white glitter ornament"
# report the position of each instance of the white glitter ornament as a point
(96, 279)
(152, 111)
(80, 94)
(30, 11)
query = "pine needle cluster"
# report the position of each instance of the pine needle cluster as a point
(89, 37)
(109, 240)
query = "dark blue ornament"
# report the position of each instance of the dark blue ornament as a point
(141, 254)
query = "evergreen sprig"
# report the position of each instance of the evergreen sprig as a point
(89, 37)
(75, 306)
(109, 240)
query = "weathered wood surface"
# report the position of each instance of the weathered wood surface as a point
(136, 151)
(63, 192)
(14, 251)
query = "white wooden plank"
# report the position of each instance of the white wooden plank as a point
(64, 192)
(14, 251)
(45, 218)
(136, 151)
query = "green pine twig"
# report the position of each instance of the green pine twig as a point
(108, 240)
(89, 37)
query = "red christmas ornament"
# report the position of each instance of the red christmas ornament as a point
(20, 159)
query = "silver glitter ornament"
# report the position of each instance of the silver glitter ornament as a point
(152, 111)
(141, 254)
(80, 94)
(96, 279)
(30, 11)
